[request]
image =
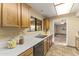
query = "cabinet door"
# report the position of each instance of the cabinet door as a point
(50, 41)
(45, 46)
(28, 52)
(25, 15)
(0, 14)
(10, 14)
(77, 43)
(46, 24)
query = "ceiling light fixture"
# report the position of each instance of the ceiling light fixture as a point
(63, 8)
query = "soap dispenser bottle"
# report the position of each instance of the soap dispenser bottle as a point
(21, 39)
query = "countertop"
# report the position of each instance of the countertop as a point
(29, 41)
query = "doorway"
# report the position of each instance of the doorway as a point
(60, 32)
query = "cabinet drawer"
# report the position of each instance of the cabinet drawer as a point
(28, 52)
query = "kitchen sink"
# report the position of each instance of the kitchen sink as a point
(40, 36)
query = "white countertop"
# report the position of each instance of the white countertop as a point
(29, 41)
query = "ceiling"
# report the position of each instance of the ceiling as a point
(49, 10)
(45, 9)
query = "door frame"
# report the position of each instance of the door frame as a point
(66, 33)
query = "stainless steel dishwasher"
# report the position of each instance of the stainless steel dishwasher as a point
(38, 49)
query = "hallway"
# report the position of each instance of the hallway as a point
(60, 31)
(57, 50)
(60, 38)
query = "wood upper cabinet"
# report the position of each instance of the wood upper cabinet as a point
(14, 15)
(10, 15)
(0, 14)
(25, 16)
(47, 44)
(46, 24)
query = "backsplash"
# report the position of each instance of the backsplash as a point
(9, 32)
(13, 33)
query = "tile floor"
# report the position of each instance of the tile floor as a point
(58, 50)
(60, 38)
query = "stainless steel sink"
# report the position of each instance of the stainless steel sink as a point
(40, 36)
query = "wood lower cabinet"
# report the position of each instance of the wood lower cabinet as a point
(50, 40)
(77, 43)
(45, 47)
(47, 44)
(10, 15)
(28, 52)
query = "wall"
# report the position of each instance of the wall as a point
(73, 27)
(36, 14)
(8, 33)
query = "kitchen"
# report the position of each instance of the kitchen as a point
(18, 38)
(26, 29)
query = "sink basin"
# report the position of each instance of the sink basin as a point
(40, 36)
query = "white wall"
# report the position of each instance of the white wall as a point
(73, 27)
(36, 14)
